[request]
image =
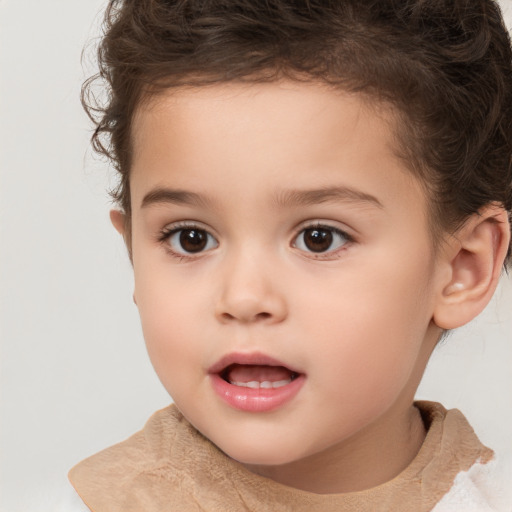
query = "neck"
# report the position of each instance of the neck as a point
(373, 456)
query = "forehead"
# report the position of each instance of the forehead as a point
(266, 137)
(299, 107)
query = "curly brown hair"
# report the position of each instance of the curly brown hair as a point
(445, 67)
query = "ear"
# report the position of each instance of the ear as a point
(122, 223)
(473, 258)
(118, 221)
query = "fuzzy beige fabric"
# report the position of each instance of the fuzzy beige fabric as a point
(169, 466)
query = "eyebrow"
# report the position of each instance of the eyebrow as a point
(175, 196)
(284, 199)
(289, 198)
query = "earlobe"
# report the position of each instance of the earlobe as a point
(475, 256)
(118, 221)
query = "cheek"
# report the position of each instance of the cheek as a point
(171, 323)
(371, 326)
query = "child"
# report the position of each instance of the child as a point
(312, 193)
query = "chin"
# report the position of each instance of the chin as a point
(257, 455)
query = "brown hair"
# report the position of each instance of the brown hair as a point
(444, 65)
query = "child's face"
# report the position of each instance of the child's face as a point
(304, 243)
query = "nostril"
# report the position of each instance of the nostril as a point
(258, 316)
(248, 308)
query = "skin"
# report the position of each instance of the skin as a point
(360, 319)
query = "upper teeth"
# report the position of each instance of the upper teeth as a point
(266, 384)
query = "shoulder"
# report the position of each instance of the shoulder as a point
(476, 479)
(106, 475)
(157, 466)
(485, 487)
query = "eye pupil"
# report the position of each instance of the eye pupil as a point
(318, 240)
(193, 240)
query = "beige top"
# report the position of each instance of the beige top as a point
(170, 466)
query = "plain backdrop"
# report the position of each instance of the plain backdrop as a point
(75, 377)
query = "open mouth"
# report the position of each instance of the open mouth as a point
(255, 382)
(255, 376)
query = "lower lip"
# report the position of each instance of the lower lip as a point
(256, 400)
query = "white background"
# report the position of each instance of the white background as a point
(75, 377)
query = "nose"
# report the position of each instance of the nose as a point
(250, 293)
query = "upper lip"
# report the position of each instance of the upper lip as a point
(254, 358)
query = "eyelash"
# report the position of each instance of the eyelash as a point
(166, 233)
(330, 254)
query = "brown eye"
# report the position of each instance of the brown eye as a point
(317, 240)
(191, 240)
(320, 239)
